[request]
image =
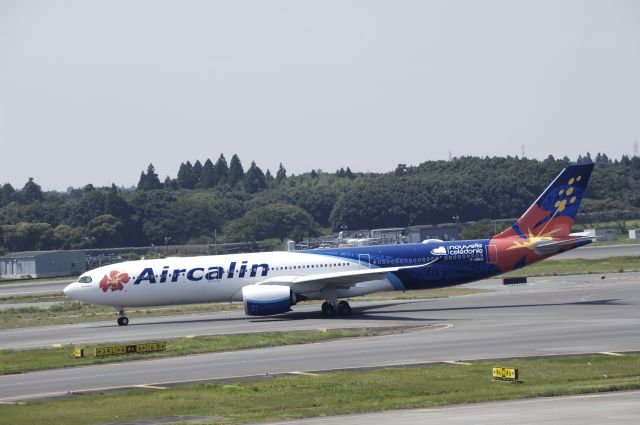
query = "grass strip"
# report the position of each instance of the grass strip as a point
(70, 312)
(19, 361)
(38, 298)
(340, 393)
(580, 266)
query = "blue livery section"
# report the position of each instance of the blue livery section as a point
(554, 212)
(463, 261)
(565, 193)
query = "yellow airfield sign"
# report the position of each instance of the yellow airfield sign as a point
(506, 373)
(112, 350)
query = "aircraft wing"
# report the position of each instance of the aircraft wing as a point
(551, 247)
(340, 279)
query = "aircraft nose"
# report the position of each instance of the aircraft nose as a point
(70, 289)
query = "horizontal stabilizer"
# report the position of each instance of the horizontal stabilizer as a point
(581, 234)
(547, 247)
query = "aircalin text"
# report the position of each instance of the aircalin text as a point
(198, 273)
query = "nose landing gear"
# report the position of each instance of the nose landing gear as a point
(122, 319)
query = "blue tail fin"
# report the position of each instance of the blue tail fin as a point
(554, 212)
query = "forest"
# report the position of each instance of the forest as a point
(242, 205)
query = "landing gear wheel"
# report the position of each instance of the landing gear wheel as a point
(122, 319)
(328, 309)
(344, 309)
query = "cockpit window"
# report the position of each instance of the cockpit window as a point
(85, 279)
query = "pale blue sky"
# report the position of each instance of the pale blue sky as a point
(93, 91)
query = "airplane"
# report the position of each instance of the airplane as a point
(270, 283)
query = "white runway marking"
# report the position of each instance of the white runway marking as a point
(297, 372)
(153, 387)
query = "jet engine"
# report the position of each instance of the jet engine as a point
(264, 300)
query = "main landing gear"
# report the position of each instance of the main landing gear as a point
(122, 319)
(341, 308)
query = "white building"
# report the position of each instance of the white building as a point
(21, 265)
(602, 234)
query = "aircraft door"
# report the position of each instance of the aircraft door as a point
(365, 259)
(492, 254)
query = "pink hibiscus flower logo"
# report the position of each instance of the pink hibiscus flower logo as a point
(114, 281)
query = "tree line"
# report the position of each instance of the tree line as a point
(252, 205)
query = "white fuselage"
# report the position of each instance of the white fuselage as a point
(184, 280)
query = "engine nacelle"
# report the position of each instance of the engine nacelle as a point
(264, 300)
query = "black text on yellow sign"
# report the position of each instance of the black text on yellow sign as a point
(506, 373)
(113, 350)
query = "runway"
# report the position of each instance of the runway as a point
(549, 317)
(621, 408)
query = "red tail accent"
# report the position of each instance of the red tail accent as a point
(549, 218)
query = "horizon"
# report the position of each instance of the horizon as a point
(320, 171)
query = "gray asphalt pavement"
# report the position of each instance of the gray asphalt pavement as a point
(593, 409)
(603, 251)
(584, 315)
(33, 288)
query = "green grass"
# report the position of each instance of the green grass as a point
(580, 266)
(19, 361)
(69, 312)
(37, 298)
(340, 393)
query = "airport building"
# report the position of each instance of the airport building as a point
(417, 234)
(34, 264)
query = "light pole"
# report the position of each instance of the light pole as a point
(166, 244)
